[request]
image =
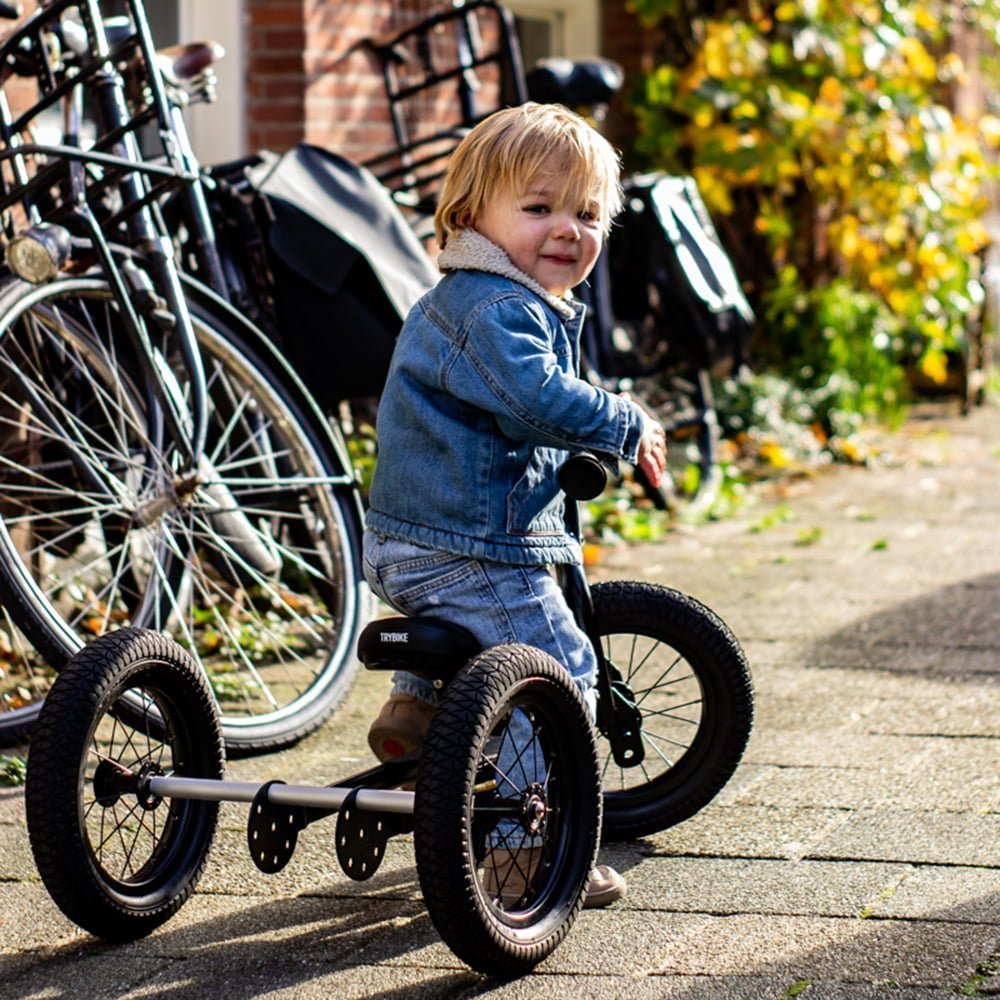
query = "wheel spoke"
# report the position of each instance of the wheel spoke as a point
(156, 549)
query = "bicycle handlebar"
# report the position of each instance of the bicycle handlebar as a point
(583, 476)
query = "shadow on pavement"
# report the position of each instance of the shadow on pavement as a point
(953, 632)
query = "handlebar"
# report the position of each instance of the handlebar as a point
(583, 476)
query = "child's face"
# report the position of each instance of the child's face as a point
(553, 242)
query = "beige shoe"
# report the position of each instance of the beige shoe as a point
(605, 886)
(507, 876)
(400, 727)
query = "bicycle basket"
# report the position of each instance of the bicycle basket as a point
(442, 76)
(84, 118)
(671, 275)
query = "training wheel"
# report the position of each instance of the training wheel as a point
(130, 706)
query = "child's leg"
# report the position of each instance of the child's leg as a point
(496, 602)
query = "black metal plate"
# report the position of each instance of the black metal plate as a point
(272, 831)
(361, 838)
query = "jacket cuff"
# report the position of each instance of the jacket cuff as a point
(634, 420)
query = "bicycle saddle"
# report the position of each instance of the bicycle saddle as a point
(178, 63)
(563, 81)
(189, 60)
(426, 646)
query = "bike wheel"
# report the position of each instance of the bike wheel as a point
(690, 680)
(507, 810)
(102, 527)
(116, 861)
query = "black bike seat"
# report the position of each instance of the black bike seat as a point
(575, 84)
(426, 646)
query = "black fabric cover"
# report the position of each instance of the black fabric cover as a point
(668, 265)
(347, 268)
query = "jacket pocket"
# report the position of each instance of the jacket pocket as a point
(535, 503)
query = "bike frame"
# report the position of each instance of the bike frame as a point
(143, 269)
(618, 717)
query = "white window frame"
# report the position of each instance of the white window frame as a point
(575, 24)
(218, 130)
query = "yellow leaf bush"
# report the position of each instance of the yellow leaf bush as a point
(848, 193)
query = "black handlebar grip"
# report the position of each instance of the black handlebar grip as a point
(583, 477)
(10, 11)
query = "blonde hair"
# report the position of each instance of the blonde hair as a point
(508, 150)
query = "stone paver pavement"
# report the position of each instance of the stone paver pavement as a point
(855, 854)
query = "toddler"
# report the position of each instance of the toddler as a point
(483, 403)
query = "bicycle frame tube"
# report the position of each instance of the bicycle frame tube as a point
(174, 136)
(573, 583)
(618, 718)
(157, 249)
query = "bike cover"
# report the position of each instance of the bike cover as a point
(669, 266)
(347, 268)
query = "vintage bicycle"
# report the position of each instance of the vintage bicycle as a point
(161, 465)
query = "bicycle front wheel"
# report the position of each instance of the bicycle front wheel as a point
(688, 676)
(250, 561)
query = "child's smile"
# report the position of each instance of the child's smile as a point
(551, 241)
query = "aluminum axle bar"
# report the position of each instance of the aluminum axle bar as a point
(326, 797)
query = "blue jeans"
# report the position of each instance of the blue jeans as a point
(496, 602)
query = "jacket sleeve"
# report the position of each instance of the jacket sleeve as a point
(508, 366)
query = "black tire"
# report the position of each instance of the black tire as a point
(468, 864)
(692, 684)
(268, 599)
(116, 865)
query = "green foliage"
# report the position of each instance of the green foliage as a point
(845, 344)
(779, 426)
(850, 195)
(621, 513)
(797, 989)
(781, 514)
(13, 769)
(809, 536)
(362, 446)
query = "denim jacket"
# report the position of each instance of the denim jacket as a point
(482, 405)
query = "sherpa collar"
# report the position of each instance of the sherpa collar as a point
(470, 249)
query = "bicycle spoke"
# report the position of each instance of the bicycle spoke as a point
(267, 586)
(161, 548)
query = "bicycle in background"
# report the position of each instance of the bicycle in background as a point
(161, 465)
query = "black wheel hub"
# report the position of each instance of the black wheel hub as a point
(146, 798)
(107, 783)
(534, 809)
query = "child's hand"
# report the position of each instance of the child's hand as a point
(652, 458)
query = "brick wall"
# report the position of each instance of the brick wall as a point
(309, 80)
(629, 43)
(346, 110)
(275, 94)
